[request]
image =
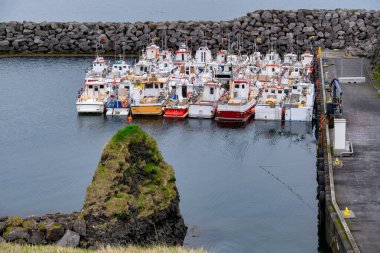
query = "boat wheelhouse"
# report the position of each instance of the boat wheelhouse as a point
(239, 105)
(151, 99)
(93, 96)
(205, 106)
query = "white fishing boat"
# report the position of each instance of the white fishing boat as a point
(93, 96)
(205, 106)
(120, 103)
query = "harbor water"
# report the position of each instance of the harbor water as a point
(244, 189)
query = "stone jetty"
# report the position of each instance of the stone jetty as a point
(355, 30)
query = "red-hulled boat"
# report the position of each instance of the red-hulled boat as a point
(239, 105)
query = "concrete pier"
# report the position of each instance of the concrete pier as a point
(356, 179)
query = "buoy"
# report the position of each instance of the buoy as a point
(129, 118)
(337, 162)
(347, 212)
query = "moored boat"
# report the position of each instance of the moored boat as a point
(152, 98)
(239, 105)
(93, 96)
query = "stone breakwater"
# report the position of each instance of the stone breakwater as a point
(356, 30)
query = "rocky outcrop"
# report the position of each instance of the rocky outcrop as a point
(356, 30)
(47, 229)
(132, 199)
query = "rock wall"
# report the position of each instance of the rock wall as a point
(132, 199)
(357, 30)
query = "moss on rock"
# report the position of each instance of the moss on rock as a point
(133, 197)
(14, 221)
(131, 173)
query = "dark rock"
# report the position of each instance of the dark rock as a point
(2, 239)
(69, 239)
(2, 227)
(84, 47)
(79, 226)
(36, 237)
(13, 233)
(54, 231)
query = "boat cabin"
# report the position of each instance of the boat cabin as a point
(182, 55)
(290, 59)
(306, 58)
(221, 56)
(99, 65)
(152, 52)
(203, 55)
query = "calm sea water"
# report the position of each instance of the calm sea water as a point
(249, 189)
(132, 10)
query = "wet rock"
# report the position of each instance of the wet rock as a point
(69, 239)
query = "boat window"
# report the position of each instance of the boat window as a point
(183, 57)
(125, 67)
(273, 69)
(211, 91)
(156, 86)
(279, 91)
(237, 86)
(242, 86)
(101, 86)
(294, 87)
(165, 65)
(120, 68)
(141, 68)
(90, 86)
(96, 88)
(295, 70)
(273, 91)
(161, 85)
(266, 90)
(286, 91)
(115, 67)
(149, 86)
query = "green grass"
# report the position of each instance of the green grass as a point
(131, 173)
(15, 248)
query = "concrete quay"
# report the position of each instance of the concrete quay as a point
(356, 179)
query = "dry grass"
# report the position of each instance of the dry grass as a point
(16, 248)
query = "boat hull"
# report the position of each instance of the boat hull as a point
(146, 109)
(201, 111)
(97, 108)
(176, 112)
(235, 115)
(117, 111)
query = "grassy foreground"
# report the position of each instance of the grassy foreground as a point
(16, 248)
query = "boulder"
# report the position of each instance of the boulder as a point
(2, 227)
(13, 221)
(79, 226)
(13, 233)
(84, 47)
(29, 224)
(69, 239)
(54, 231)
(36, 237)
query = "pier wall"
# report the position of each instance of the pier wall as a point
(355, 30)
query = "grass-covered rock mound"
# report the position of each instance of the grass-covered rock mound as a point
(133, 197)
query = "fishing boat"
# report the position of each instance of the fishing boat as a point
(120, 103)
(93, 96)
(204, 107)
(239, 104)
(177, 105)
(151, 99)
